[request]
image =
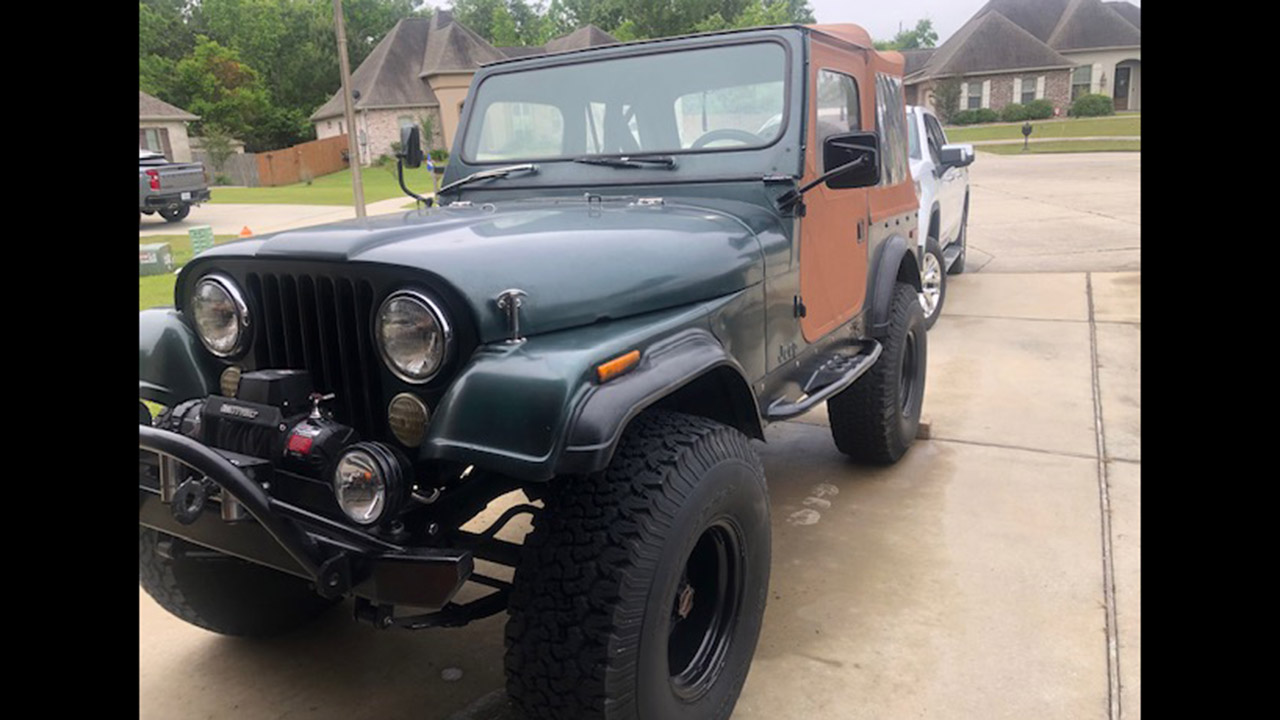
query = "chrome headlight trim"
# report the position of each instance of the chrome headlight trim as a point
(242, 315)
(442, 321)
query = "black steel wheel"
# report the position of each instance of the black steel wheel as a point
(641, 589)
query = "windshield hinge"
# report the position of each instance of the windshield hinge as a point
(460, 204)
(649, 201)
(777, 178)
(798, 307)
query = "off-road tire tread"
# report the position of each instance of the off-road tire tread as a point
(581, 587)
(863, 416)
(280, 602)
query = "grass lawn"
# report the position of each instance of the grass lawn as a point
(332, 189)
(1065, 146)
(1117, 126)
(157, 290)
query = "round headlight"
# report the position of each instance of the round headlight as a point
(369, 482)
(413, 336)
(220, 315)
(360, 487)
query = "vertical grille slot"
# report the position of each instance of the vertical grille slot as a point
(321, 324)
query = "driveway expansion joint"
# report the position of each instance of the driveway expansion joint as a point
(1104, 499)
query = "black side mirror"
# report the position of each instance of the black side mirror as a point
(410, 147)
(956, 156)
(851, 160)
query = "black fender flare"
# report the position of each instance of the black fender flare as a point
(172, 363)
(894, 262)
(689, 372)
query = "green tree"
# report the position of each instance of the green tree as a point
(921, 36)
(504, 28)
(946, 98)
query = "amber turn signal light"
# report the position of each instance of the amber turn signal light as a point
(617, 366)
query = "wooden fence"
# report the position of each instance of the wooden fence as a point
(297, 163)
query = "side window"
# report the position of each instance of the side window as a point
(931, 123)
(891, 121)
(838, 106)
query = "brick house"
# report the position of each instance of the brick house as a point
(162, 128)
(421, 71)
(1021, 50)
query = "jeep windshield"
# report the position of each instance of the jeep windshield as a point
(710, 99)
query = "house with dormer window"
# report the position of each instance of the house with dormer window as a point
(1015, 51)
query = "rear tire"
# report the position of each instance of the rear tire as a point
(641, 589)
(875, 420)
(223, 594)
(175, 213)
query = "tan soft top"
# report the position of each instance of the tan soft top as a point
(885, 61)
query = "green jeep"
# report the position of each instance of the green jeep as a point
(641, 255)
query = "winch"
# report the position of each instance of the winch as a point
(274, 415)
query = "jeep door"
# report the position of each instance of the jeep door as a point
(833, 232)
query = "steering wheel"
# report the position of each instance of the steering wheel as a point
(747, 138)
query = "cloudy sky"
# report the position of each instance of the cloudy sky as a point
(881, 18)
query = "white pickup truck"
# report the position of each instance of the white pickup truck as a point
(169, 188)
(941, 174)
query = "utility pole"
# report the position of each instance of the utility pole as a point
(357, 186)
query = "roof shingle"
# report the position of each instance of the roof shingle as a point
(151, 107)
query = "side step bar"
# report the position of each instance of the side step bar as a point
(834, 375)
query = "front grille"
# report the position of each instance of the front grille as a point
(322, 323)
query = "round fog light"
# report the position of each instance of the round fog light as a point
(408, 416)
(368, 482)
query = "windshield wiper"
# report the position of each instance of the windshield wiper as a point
(488, 175)
(629, 161)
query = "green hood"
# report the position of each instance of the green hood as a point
(578, 263)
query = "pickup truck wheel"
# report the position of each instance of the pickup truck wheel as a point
(933, 282)
(641, 589)
(224, 594)
(174, 213)
(875, 419)
(957, 267)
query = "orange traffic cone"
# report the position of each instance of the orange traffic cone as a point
(246, 232)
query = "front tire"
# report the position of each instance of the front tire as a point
(642, 588)
(175, 213)
(875, 419)
(223, 594)
(933, 282)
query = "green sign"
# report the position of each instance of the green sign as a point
(201, 238)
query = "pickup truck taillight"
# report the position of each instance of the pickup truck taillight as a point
(155, 179)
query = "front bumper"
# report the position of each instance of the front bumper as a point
(249, 523)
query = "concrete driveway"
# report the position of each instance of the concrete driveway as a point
(992, 573)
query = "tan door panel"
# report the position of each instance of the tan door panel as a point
(833, 247)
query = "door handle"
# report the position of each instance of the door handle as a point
(859, 232)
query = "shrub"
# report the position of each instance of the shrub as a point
(986, 115)
(439, 156)
(1039, 109)
(1014, 112)
(221, 180)
(964, 117)
(1092, 106)
(946, 99)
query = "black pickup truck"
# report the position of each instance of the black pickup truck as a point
(169, 188)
